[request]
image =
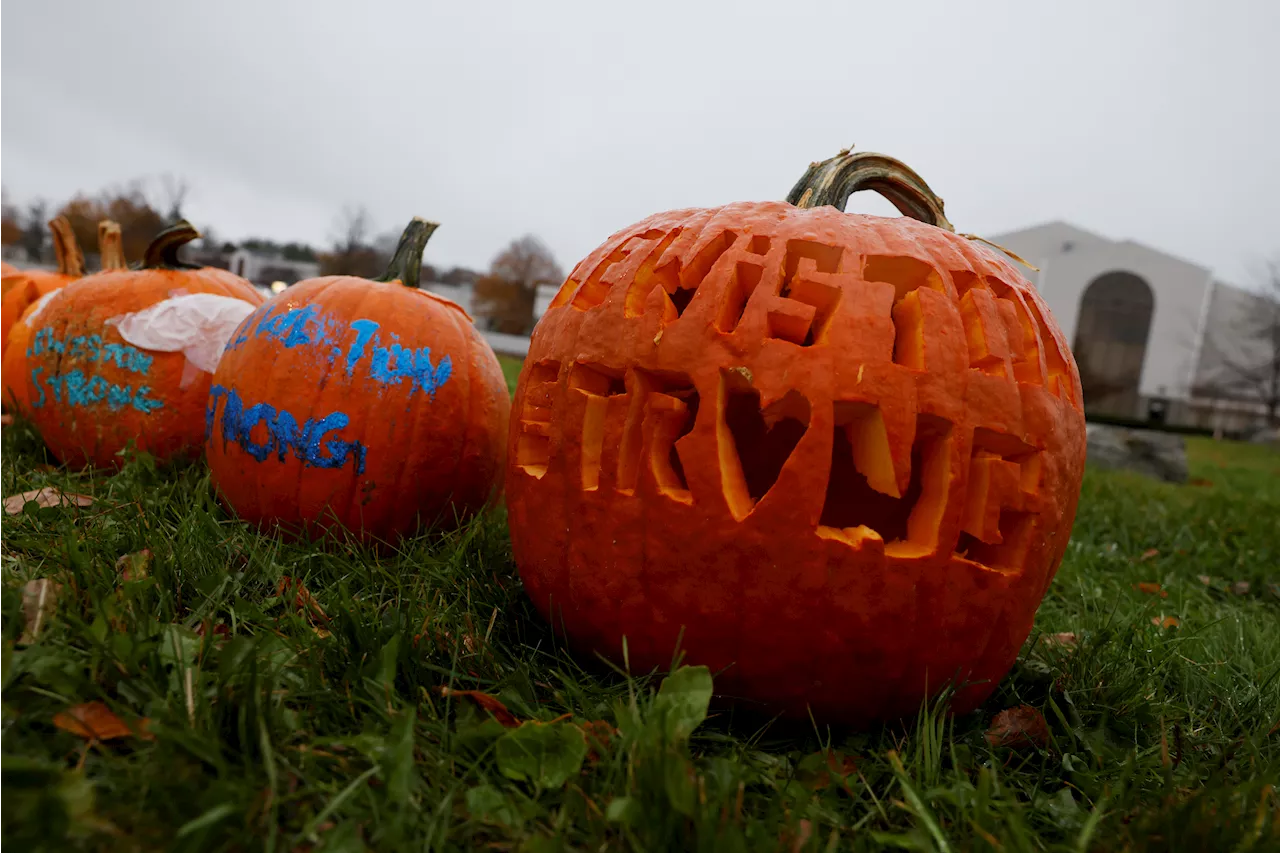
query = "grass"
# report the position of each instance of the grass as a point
(273, 727)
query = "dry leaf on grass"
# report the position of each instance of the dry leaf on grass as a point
(39, 598)
(95, 721)
(47, 497)
(598, 734)
(1063, 639)
(303, 600)
(1240, 588)
(1166, 621)
(1199, 481)
(1018, 727)
(485, 701)
(1151, 588)
(1149, 554)
(133, 567)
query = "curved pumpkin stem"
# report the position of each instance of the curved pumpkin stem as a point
(832, 182)
(406, 263)
(163, 251)
(111, 246)
(65, 247)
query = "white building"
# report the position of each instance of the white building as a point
(1147, 329)
(266, 268)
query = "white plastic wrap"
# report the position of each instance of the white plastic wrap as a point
(39, 306)
(198, 325)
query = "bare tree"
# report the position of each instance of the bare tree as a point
(175, 193)
(35, 229)
(1241, 360)
(353, 253)
(11, 232)
(507, 295)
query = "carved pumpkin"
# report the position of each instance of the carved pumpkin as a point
(24, 287)
(16, 376)
(126, 356)
(369, 405)
(836, 456)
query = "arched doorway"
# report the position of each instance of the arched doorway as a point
(1111, 341)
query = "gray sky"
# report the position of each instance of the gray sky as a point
(1156, 121)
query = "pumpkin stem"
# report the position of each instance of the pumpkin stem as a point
(163, 251)
(406, 263)
(65, 247)
(111, 246)
(832, 182)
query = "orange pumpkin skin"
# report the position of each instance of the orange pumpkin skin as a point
(92, 394)
(713, 424)
(366, 406)
(17, 386)
(21, 288)
(16, 376)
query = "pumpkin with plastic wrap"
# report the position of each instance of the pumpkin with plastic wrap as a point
(125, 357)
(372, 407)
(24, 287)
(16, 374)
(833, 457)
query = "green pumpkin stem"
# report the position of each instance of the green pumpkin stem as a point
(163, 251)
(832, 182)
(406, 263)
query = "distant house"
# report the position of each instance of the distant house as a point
(1138, 321)
(266, 268)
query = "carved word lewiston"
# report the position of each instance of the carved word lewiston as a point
(312, 442)
(388, 365)
(79, 389)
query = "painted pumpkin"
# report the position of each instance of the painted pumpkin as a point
(16, 376)
(835, 456)
(370, 405)
(126, 356)
(26, 286)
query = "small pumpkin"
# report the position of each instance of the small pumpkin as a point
(24, 287)
(16, 376)
(835, 458)
(372, 406)
(126, 356)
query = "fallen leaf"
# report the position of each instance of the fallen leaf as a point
(39, 598)
(1151, 588)
(804, 831)
(49, 496)
(1199, 481)
(95, 721)
(1149, 554)
(1165, 621)
(135, 566)
(1240, 588)
(1018, 727)
(322, 633)
(598, 734)
(302, 598)
(220, 632)
(1063, 639)
(1205, 579)
(485, 701)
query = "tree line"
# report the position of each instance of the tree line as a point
(504, 297)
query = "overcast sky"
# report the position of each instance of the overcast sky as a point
(1157, 121)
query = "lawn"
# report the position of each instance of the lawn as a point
(292, 698)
